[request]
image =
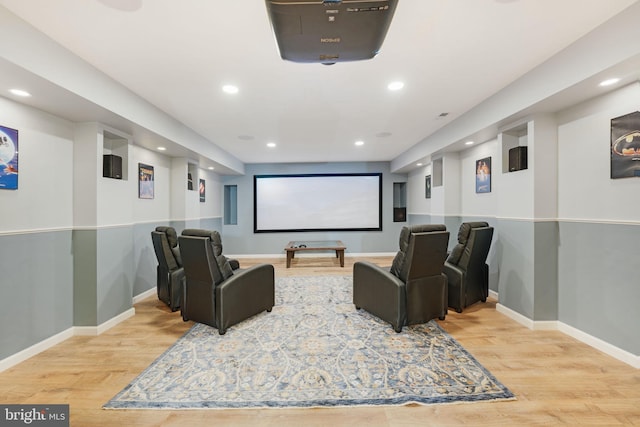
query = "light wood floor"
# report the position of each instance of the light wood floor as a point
(556, 379)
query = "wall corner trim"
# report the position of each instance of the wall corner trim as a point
(144, 295)
(105, 326)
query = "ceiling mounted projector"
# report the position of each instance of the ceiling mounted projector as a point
(330, 31)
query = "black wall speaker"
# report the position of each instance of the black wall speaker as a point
(517, 159)
(399, 214)
(112, 166)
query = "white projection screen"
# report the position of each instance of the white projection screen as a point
(317, 202)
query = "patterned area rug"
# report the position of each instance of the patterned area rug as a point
(314, 349)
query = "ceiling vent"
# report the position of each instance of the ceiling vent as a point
(330, 31)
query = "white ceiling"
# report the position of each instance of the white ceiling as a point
(451, 55)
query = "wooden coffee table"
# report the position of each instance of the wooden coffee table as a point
(324, 245)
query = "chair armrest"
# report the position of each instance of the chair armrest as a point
(249, 290)
(379, 292)
(455, 275)
(365, 270)
(256, 276)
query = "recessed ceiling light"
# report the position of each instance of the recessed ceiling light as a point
(418, 164)
(211, 168)
(395, 85)
(469, 143)
(609, 82)
(161, 148)
(271, 144)
(359, 143)
(20, 92)
(230, 89)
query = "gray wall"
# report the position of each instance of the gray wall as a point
(36, 281)
(526, 252)
(598, 272)
(240, 239)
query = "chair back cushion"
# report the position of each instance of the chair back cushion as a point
(426, 255)
(198, 260)
(398, 260)
(463, 237)
(222, 269)
(475, 253)
(400, 266)
(170, 232)
(164, 253)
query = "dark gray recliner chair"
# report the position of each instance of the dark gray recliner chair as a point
(466, 268)
(414, 289)
(234, 263)
(215, 294)
(170, 274)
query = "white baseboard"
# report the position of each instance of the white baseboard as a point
(28, 352)
(46, 344)
(97, 330)
(144, 295)
(555, 325)
(603, 346)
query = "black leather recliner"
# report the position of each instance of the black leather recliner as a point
(466, 268)
(414, 289)
(215, 294)
(170, 274)
(216, 241)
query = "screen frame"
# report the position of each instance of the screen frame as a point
(316, 175)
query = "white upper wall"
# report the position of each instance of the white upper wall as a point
(585, 189)
(44, 196)
(158, 208)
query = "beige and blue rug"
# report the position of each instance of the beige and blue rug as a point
(314, 349)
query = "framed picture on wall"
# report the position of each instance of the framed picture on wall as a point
(201, 189)
(145, 181)
(427, 186)
(8, 158)
(483, 175)
(625, 146)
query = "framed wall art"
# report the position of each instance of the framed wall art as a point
(483, 175)
(625, 146)
(145, 181)
(8, 158)
(201, 189)
(427, 186)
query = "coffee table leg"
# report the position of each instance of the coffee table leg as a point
(340, 253)
(289, 256)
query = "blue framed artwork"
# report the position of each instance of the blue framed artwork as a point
(483, 175)
(8, 158)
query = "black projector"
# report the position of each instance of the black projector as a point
(330, 31)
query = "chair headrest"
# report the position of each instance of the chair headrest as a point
(213, 235)
(465, 230)
(405, 233)
(426, 228)
(170, 232)
(197, 232)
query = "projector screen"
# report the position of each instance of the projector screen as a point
(317, 202)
